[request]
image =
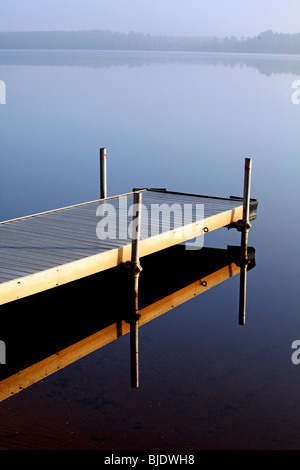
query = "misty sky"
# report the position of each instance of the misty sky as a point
(171, 17)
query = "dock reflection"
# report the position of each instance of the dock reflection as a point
(49, 331)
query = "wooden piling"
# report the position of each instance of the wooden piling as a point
(103, 187)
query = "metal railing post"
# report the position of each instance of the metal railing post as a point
(136, 269)
(103, 188)
(244, 241)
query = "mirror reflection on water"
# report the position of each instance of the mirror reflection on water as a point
(185, 122)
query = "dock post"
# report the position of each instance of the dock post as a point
(136, 269)
(103, 190)
(244, 241)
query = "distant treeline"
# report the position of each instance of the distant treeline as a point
(265, 42)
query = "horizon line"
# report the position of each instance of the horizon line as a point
(145, 34)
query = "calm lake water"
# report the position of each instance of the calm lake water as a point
(183, 121)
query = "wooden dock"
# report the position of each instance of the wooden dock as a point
(45, 250)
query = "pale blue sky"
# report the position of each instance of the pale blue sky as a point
(173, 17)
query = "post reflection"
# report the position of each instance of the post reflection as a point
(103, 314)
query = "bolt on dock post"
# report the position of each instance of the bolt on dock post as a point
(136, 269)
(103, 189)
(244, 241)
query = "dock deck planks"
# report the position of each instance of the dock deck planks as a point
(45, 250)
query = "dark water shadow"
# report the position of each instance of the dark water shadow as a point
(53, 329)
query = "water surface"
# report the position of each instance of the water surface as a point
(186, 122)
